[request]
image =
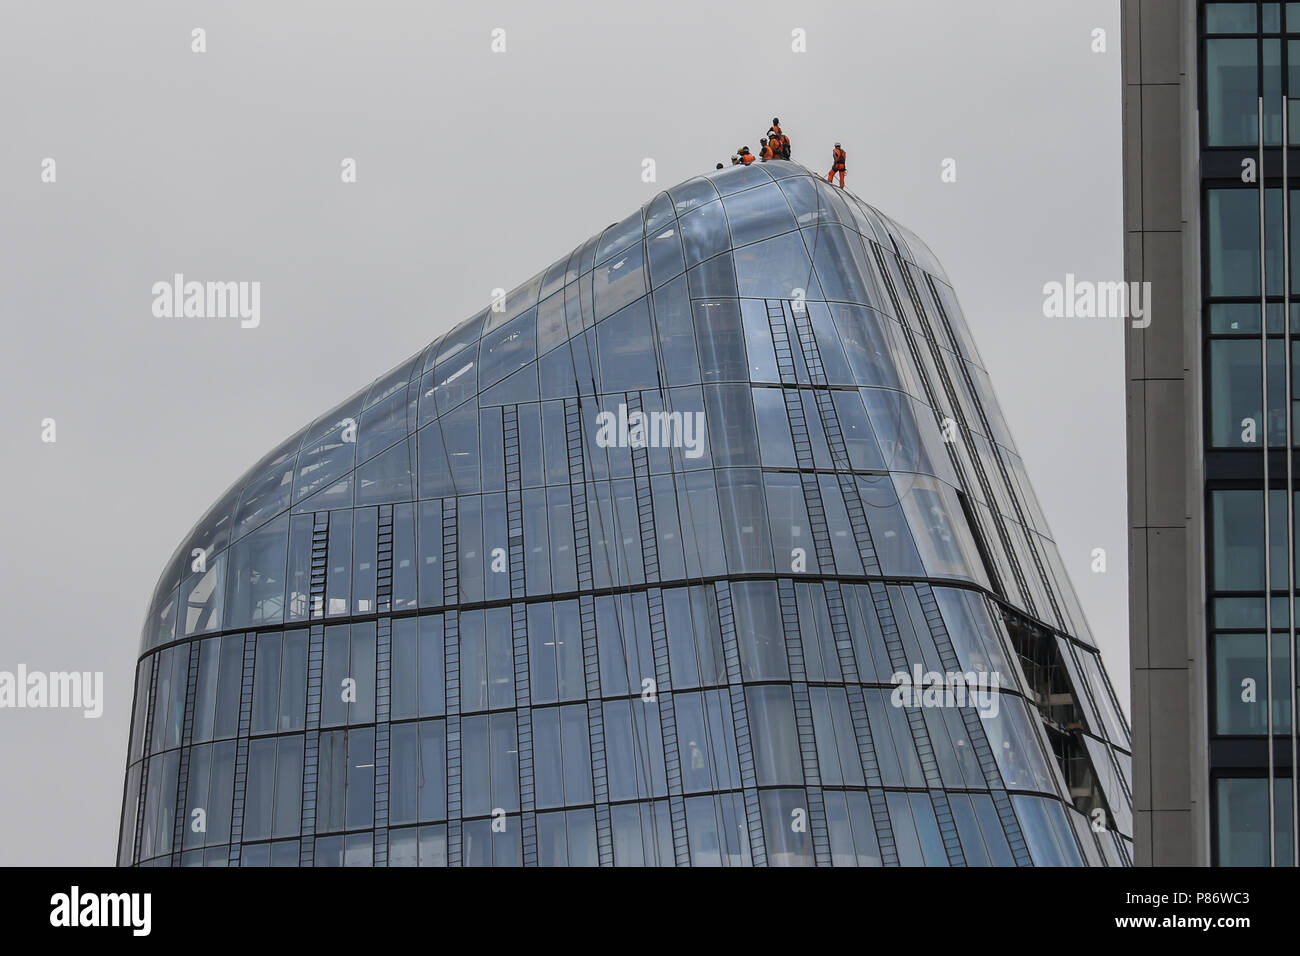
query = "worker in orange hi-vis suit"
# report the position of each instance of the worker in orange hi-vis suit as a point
(837, 165)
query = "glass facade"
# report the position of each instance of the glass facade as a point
(1249, 50)
(628, 569)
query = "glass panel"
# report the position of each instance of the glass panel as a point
(774, 428)
(758, 214)
(704, 232)
(627, 356)
(1238, 530)
(706, 741)
(619, 282)
(792, 542)
(785, 827)
(719, 835)
(673, 320)
(619, 236)
(1231, 17)
(1231, 89)
(1241, 821)
(1241, 684)
(759, 631)
(721, 337)
(775, 268)
(776, 744)
(642, 834)
(1233, 243)
(714, 278)
(694, 638)
(634, 749)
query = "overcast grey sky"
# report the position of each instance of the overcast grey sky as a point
(475, 170)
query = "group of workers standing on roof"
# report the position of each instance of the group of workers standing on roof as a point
(776, 145)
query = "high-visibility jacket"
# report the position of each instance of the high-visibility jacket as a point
(766, 154)
(773, 130)
(747, 158)
(838, 158)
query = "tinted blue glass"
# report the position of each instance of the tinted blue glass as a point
(440, 573)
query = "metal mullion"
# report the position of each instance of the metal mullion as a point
(1268, 550)
(1290, 492)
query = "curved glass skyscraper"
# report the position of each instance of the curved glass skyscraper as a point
(707, 545)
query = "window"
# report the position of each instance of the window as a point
(561, 756)
(793, 547)
(1241, 688)
(1046, 831)
(759, 631)
(418, 773)
(280, 682)
(786, 830)
(1231, 87)
(774, 429)
(169, 698)
(623, 641)
(567, 838)
(348, 676)
(744, 519)
(507, 349)
(1238, 539)
(555, 652)
(1241, 821)
(1233, 241)
(776, 744)
(758, 341)
(643, 833)
(694, 637)
(720, 334)
(619, 282)
(634, 750)
(850, 829)
(775, 268)
(706, 741)
(345, 791)
(273, 794)
(216, 702)
(160, 805)
(487, 662)
(718, 830)
(820, 655)
(483, 845)
(704, 232)
(416, 682)
(210, 790)
(489, 764)
(256, 587)
(837, 746)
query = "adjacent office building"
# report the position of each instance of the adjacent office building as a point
(641, 566)
(1210, 222)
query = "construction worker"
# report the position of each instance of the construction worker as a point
(838, 156)
(779, 142)
(746, 156)
(766, 152)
